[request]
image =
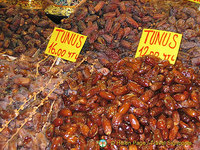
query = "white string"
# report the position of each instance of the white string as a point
(58, 61)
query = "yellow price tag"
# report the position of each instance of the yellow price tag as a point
(160, 43)
(65, 44)
(196, 1)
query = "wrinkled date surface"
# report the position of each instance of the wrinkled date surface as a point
(185, 20)
(114, 26)
(23, 31)
(127, 112)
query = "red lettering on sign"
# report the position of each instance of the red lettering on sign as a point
(74, 41)
(167, 39)
(59, 30)
(151, 53)
(168, 57)
(164, 39)
(72, 54)
(152, 39)
(163, 44)
(158, 39)
(62, 39)
(146, 50)
(69, 54)
(76, 56)
(52, 48)
(175, 43)
(157, 54)
(67, 36)
(63, 53)
(147, 35)
(172, 58)
(59, 52)
(78, 45)
(70, 39)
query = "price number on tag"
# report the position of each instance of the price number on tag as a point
(145, 49)
(65, 44)
(159, 43)
(61, 52)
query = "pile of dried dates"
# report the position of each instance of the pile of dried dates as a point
(144, 102)
(23, 31)
(114, 26)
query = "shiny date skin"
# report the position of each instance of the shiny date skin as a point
(118, 106)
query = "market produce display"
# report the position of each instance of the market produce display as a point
(107, 99)
(23, 31)
(184, 20)
(114, 27)
(143, 100)
(30, 97)
(135, 100)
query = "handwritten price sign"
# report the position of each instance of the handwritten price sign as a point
(65, 44)
(196, 1)
(162, 44)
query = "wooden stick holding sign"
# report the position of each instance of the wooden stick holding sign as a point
(65, 44)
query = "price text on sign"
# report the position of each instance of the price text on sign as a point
(163, 44)
(196, 1)
(65, 44)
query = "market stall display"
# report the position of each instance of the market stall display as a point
(114, 27)
(23, 31)
(136, 100)
(30, 97)
(184, 20)
(107, 99)
(142, 100)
